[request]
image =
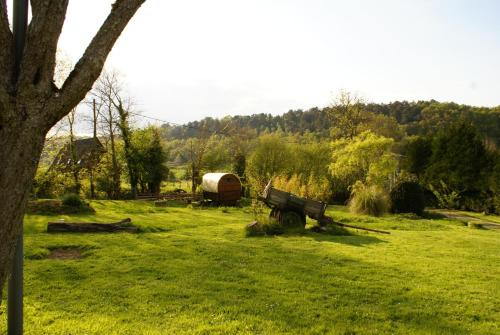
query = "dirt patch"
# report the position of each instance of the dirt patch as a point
(65, 253)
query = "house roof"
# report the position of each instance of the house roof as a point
(88, 152)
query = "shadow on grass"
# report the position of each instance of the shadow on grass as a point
(330, 233)
(433, 216)
(174, 204)
(346, 237)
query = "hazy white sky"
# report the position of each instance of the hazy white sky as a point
(184, 60)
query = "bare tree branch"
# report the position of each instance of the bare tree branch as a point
(6, 49)
(90, 65)
(39, 57)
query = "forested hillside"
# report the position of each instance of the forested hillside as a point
(415, 118)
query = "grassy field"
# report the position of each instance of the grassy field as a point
(193, 271)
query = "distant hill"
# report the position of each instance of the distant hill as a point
(416, 118)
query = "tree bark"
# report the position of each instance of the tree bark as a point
(30, 104)
(21, 147)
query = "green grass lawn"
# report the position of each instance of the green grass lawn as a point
(193, 271)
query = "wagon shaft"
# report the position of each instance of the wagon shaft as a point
(328, 220)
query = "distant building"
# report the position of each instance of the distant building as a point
(88, 153)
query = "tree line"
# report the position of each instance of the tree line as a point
(438, 147)
(399, 117)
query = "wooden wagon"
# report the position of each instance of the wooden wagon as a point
(221, 188)
(291, 210)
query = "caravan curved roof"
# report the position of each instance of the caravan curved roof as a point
(211, 181)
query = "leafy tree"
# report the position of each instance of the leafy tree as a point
(105, 92)
(459, 159)
(311, 159)
(105, 175)
(30, 102)
(109, 90)
(346, 114)
(151, 159)
(382, 125)
(271, 158)
(437, 116)
(416, 155)
(239, 142)
(217, 156)
(495, 184)
(239, 165)
(366, 158)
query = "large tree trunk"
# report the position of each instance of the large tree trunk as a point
(21, 144)
(30, 104)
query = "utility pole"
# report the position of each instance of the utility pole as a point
(95, 118)
(15, 293)
(91, 168)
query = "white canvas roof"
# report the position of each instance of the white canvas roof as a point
(210, 181)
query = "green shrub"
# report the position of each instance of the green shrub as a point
(245, 202)
(54, 206)
(264, 226)
(273, 227)
(368, 199)
(407, 197)
(496, 204)
(477, 202)
(72, 200)
(446, 197)
(46, 206)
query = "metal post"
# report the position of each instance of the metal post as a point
(19, 25)
(15, 292)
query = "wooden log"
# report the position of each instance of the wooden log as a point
(91, 227)
(328, 220)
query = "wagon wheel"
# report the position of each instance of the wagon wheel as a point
(293, 219)
(276, 213)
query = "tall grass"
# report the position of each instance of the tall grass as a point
(368, 199)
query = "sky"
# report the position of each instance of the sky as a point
(185, 60)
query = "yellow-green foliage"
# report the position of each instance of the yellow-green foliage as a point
(312, 187)
(270, 158)
(368, 199)
(52, 183)
(367, 158)
(292, 185)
